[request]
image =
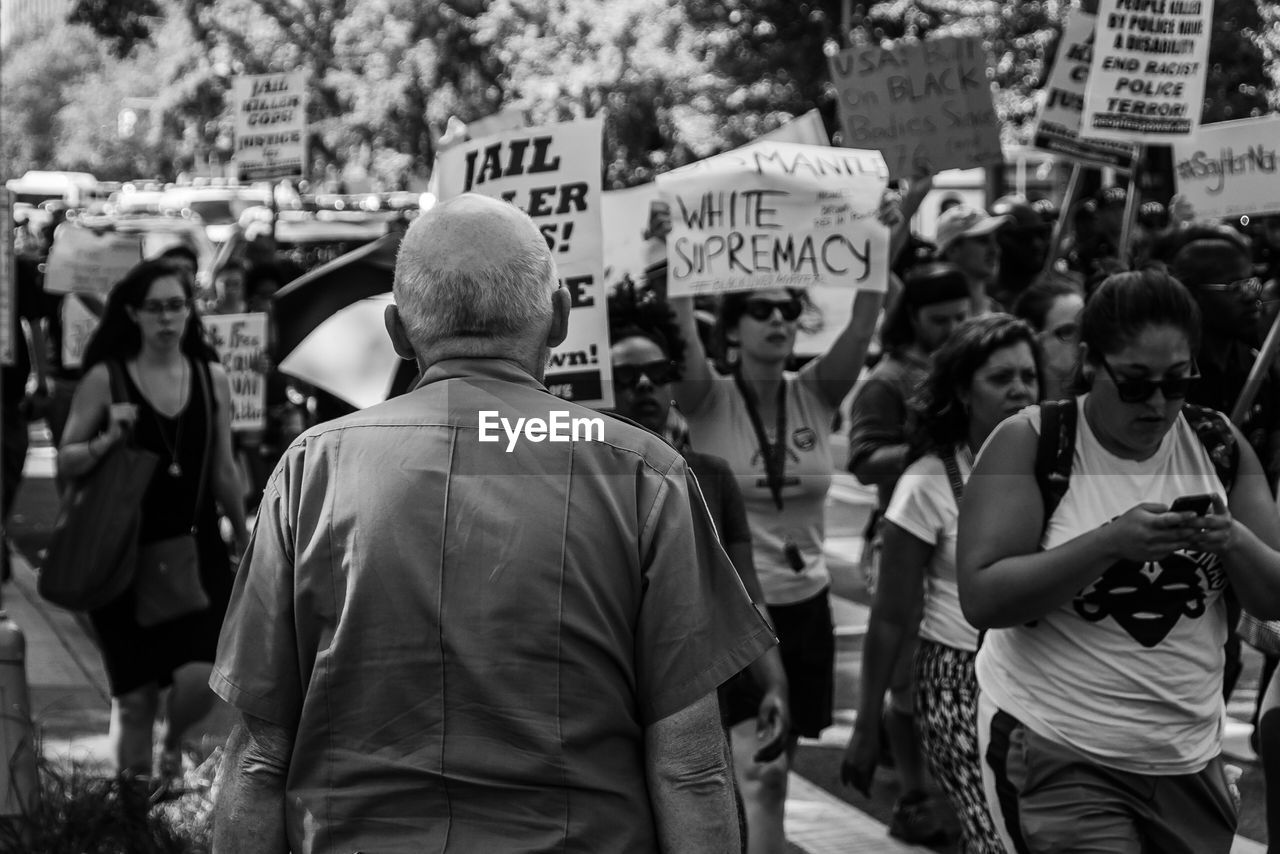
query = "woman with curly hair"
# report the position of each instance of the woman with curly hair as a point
(987, 370)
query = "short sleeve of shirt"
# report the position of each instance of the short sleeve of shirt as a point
(697, 627)
(257, 669)
(921, 499)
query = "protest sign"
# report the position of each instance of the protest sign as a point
(1230, 168)
(89, 262)
(8, 283)
(79, 321)
(927, 106)
(241, 342)
(625, 213)
(1057, 127)
(552, 173)
(271, 124)
(1146, 79)
(774, 214)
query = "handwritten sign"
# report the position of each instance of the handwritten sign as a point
(1231, 168)
(8, 283)
(241, 342)
(776, 214)
(1057, 127)
(80, 318)
(927, 106)
(271, 124)
(88, 262)
(552, 173)
(1146, 80)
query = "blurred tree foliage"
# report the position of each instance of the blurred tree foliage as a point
(676, 80)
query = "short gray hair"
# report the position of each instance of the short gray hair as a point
(465, 299)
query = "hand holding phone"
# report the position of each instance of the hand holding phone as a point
(1201, 505)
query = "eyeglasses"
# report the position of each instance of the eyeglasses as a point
(1137, 391)
(762, 309)
(660, 372)
(1066, 333)
(1251, 286)
(177, 305)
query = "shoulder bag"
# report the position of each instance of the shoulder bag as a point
(168, 583)
(91, 558)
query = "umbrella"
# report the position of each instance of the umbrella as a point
(350, 355)
(329, 330)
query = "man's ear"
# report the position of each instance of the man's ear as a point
(560, 304)
(399, 336)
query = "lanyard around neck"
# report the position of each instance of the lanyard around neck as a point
(775, 452)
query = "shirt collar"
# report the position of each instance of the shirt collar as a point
(503, 370)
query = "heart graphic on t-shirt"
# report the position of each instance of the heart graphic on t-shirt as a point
(1146, 599)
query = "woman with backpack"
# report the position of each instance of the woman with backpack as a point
(988, 370)
(152, 378)
(1095, 542)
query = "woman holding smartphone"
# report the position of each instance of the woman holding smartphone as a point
(1100, 674)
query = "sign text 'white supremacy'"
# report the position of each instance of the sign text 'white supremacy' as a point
(552, 173)
(926, 105)
(1146, 82)
(271, 124)
(776, 215)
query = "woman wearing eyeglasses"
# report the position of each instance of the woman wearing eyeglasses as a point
(1052, 307)
(1100, 713)
(772, 426)
(179, 408)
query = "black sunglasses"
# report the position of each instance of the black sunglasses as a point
(659, 373)
(762, 309)
(1136, 391)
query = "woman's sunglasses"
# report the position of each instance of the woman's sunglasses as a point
(659, 373)
(762, 309)
(1137, 391)
(1251, 286)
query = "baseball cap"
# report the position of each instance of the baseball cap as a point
(965, 221)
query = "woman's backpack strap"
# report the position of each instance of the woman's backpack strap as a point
(1054, 452)
(1215, 433)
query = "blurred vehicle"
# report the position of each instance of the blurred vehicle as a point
(308, 239)
(76, 189)
(217, 208)
(136, 198)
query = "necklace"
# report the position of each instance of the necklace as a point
(175, 468)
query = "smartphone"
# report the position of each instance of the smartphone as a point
(1201, 505)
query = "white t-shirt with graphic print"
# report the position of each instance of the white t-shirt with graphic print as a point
(1128, 673)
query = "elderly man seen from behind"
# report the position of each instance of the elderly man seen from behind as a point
(439, 644)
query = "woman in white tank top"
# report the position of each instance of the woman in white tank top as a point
(1100, 710)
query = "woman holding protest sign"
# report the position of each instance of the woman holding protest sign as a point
(151, 347)
(772, 426)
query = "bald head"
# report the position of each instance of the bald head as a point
(474, 277)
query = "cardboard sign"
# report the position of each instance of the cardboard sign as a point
(776, 214)
(626, 212)
(1057, 127)
(553, 174)
(241, 342)
(927, 106)
(79, 322)
(1231, 168)
(88, 262)
(271, 125)
(8, 283)
(1146, 81)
